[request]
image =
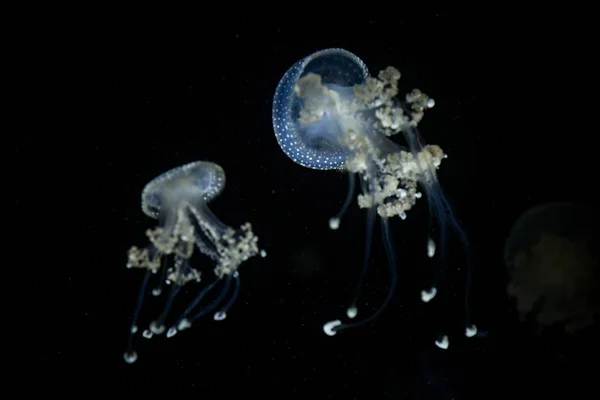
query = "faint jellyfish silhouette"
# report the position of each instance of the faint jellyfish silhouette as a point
(552, 255)
(178, 199)
(330, 114)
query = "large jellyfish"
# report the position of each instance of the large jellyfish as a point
(553, 260)
(330, 114)
(178, 199)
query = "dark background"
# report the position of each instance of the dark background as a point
(515, 101)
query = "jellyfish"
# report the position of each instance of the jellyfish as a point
(329, 113)
(553, 262)
(179, 199)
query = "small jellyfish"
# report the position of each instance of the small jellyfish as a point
(179, 199)
(329, 113)
(553, 259)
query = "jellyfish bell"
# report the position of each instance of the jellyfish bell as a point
(196, 183)
(302, 143)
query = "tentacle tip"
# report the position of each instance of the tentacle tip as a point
(351, 312)
(443, 342)
(430, 248)
(428, 295)
(184, 324)
(171, 332)
(130, 357)
(329, 327)
(470, 331)
(157, 328)
(220, 316)
(334, 223)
